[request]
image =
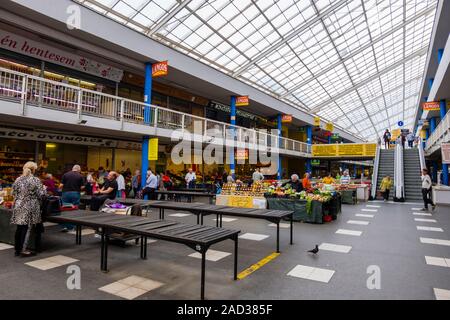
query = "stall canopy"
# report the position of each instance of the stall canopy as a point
(358, 64)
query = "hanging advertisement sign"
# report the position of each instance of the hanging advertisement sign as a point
(445, 150)
(160, 69)
(344, 150)
(431, 106)
(12, 42)
(315, 162)
(286, 118)
(242, 101)
(241, 154)
(329, 127)
(317, 121)
(153, 149)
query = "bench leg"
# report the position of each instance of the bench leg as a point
(78, 235)
(198, 218)
(217, 220)
(221, 221)
(292, 229)
(104, 252)
(235, 257)
(105, 269)
(142, 247)
(202, 289)
(145, 248)
(201, 219)
(278, 237)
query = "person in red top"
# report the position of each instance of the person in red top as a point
(306, 182)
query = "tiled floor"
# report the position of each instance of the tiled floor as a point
(360, 222)
(422, 214)
(442, 294)
(349, 232)
(362, 215)
(180, 215)
(441, 242)
(226, 219)
(416, 209)
(253, 236)
(425, 220)
(131, 287)
(51, 262)
(282, 225)
(437, 261)
(369, 210)
(335, 247)
(84, 232)
(211, 255)
(311, 273)
(372, 206)
(424, 228)
(4, 246)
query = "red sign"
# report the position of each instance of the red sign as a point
(160, 69)
(241, 154)
(286, 118)
(242, 101)
(431, 106)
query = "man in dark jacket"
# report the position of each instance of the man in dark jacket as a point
(295, 183)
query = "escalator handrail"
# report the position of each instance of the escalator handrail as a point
(375, 172)
(399, 183)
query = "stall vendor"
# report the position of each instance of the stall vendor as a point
(295, 183)
(345, 179)
(306, 182)
(328, 179)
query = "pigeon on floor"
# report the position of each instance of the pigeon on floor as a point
(315, 250)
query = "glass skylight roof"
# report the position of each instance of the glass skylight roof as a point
(358, 63)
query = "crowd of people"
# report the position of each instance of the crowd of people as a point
(410, 138)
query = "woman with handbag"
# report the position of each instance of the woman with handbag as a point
(28, 191)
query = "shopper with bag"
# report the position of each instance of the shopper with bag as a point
(72, 183)
(28, 191)
(426, 190)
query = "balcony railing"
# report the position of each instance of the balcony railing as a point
(438, 134)
(32, 90)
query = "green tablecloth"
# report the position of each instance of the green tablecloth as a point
(299, 208)
(318, 209)
(348, 196)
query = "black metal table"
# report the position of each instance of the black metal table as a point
(197, 237)
(201, 210)
(188, 194)
(128, 201)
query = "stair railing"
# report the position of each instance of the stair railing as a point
(399, 183)
(423, 164)
(375, 172)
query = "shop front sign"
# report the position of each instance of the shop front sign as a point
(344, 150)
(431, 106)
(153, 149)
(242, 101)
(12, 42)
(286, 118)
(160, 69)
(317, 121)
(6, 133)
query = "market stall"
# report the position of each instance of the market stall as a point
(242, 196)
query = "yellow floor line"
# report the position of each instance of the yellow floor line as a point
(257, 265)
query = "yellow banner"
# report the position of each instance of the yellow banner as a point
(329, 127)
(344, 150)
(240, 201)
(153, 149)
(317, 121)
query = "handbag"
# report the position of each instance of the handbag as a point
(51, 206)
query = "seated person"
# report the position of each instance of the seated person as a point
(108, 191)
(328, 179)
(295, 183)
(345, 179)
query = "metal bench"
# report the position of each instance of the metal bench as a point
(197, 237)
(201, 210)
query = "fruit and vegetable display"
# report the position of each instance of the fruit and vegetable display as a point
(239, 189)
